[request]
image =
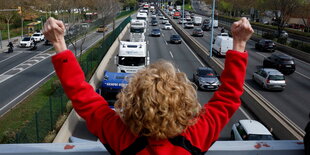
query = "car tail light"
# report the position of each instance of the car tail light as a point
(267, 81)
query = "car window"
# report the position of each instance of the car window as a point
(260, 137)
(206, 73)
(241, 132)
(264, 74)
(276, 77)
(26, 39)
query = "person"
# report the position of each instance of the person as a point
(223, 30)
(158, 111)
(34, 45)
(10, 45)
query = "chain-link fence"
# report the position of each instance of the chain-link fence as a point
(45, 119)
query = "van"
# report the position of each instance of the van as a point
(197, 20)
(222, 44)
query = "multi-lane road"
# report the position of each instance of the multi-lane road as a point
(23, 71)
(293, 101)
(184, 59)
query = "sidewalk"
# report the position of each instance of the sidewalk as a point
(4, 43)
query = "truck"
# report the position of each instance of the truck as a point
(152, 8)
(112, 83)
(197, 20)
(132, 56)
(137, 26)
(222, 44)
(142, 16)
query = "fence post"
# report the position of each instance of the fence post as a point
(37, 126)
(51, 111)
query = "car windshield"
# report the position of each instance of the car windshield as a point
(260, 137)
(26, 39)
(167, 24)
(276, 77)
(156, 30)
(137, 30)
(131, 61)
(175, 37)
(287, 61)
(36, 35)
(206, 73)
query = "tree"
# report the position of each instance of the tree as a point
(304, 14)
(8, 15)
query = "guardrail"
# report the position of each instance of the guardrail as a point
(283, 128)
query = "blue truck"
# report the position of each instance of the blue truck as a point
(112, 84)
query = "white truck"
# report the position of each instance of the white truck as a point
(197, 20)
(142, 16)
(222, 44)
(132, 56)
(137, 30)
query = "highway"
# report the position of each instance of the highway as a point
(22, 71)
(293, 100)
(185, 60)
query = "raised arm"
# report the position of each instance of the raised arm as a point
(226, 100)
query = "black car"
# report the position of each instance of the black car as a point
(281, 62)
(198, 32)
(265, 45)
(206, 79)
(206, 27)
(154, 22)
(175, 39)
(155, 32)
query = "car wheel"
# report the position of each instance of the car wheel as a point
(232, 135)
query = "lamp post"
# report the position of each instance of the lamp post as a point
(212, 31)
(183, 15)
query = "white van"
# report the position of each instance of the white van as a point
(197, 20)
(222, 44)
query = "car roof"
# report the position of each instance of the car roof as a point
(175, 35)
(254, 127)
(272, 71)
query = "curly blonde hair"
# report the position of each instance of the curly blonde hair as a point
(158, 102)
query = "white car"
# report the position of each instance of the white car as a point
(168, 26)
(181, 21)
(26, 42)
(189, 25)
(38, 36)
(250, 130)
(165, 21)
(269, 78)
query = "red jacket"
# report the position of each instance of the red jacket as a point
(116, 136)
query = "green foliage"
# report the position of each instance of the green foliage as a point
(226, 6)
(130, 3)
(300, 45)
(270, 36)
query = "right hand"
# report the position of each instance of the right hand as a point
(241, 31)
(54, 31)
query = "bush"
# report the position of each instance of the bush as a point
(301, 46)
(282, 40)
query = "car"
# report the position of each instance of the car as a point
(189, 25)
(265, 45)
(206, 27)
(182, 20)
(223, 34)
(206, 79)
(198, 32)
(155, 32)
(38, 36)
(281, 34)
(26, 42)
(282, 62)
(250, 130)
(154, 22)
(168, 26)
(164, 18)
(153, 18)
(175, 39)
(102, 28)
(269, 78)
(164, 21)
(188, 18)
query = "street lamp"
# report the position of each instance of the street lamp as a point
(183, 15)
(212, 26)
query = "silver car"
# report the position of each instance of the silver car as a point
(206, 79)
(269, 78)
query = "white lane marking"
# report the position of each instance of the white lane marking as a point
(245, 114)
(303, 75)
(171, 54)
(26, 91)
